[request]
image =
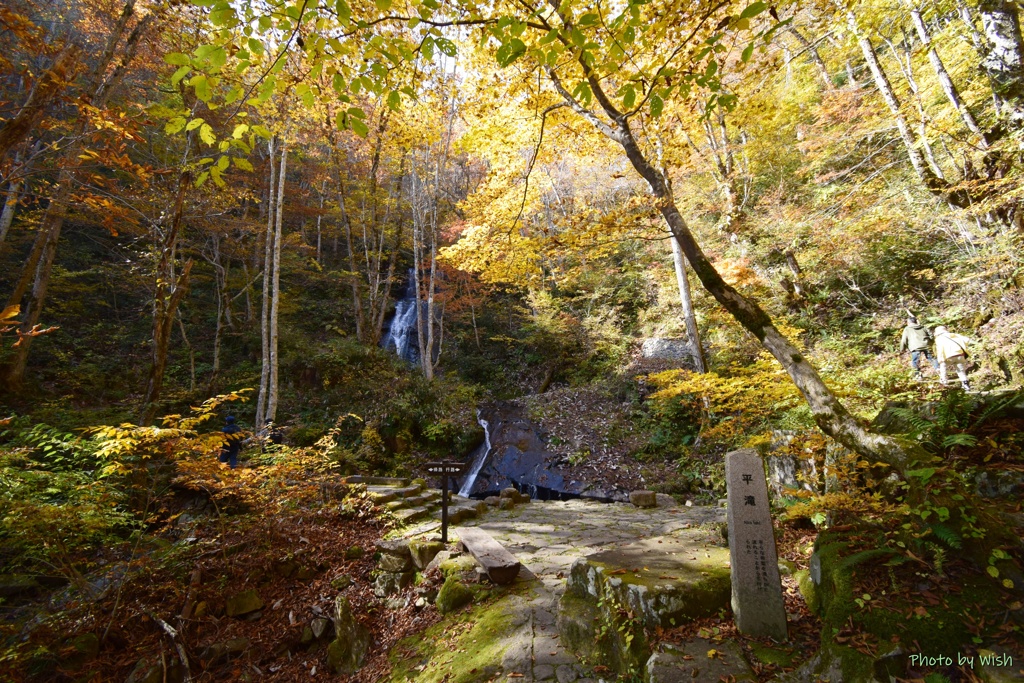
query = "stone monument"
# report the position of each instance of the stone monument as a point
(756, 586)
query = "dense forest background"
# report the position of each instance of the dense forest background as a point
(208, 200)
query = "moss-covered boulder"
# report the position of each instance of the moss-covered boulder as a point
(244, 603)
(347, 651)
(424, 551)
(453, 595)
(698, 660)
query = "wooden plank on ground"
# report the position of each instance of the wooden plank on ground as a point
(500, 565)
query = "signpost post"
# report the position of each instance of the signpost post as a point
(445, 469)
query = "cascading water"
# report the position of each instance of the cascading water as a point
(402, 334)
(478, 463)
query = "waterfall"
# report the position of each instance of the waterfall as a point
(402, 334)
(478, 463)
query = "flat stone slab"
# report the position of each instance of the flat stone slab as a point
(698, 660)
(501, 566)
(666, 580)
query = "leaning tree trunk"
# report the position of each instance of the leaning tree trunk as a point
(683, 281)
(261, 401)
(829, 414)
(275, 302)
(948, 87)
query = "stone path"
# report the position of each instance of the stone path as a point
(547, 536)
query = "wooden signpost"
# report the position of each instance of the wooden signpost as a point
(446, 469)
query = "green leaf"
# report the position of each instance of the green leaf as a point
(657, 104)
(992, 571)
(383, 5)
(223, 17)
(394, 100)
(628, 96)
(344, 11)
(216, 174)
(177, 59)
(175, 125)
(242, 164)
(202, 178)
(753, 10)
(233, 94)
(240, 130)
(747, 52)
(202, 87)
(194, 123)
(358, 127)
(206, 134)
(255, 46)
(223, 162)
(180, 74)
(582, 93)
(262, 132)
(446, 46)
(587, 20)
(356, 112)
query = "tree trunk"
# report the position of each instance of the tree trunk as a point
(815, 56)
(1004, 56)
(276, 296)
(14, 192)
(829, 414)
(49, 86)
(268, 252)
(683, 281)
(353, 273)
(168, 295)
(952, 94)
(885, 88)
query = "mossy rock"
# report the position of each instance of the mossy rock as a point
(808, 589)
(453, 595)
(355, 553)
(772, 655)
(456, 565)
(480, 644)
(244, 603)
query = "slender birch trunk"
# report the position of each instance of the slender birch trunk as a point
(276, 300)
(268, 247)
(948, 87)
(683, 281)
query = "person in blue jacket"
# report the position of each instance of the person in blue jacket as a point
(232, 442)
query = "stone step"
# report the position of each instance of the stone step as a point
(421, 499)
(381, 494)
(376, 481)
(409, 491)
(407, 515)
(396, 505)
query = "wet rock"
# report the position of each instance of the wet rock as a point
(698, 660)
(152, 671)
(453, 595)
(643, 499)
(87, 645)
(509, 493)
(244, 603)
(224, 650)
(506, 504)
(305, 573)
(395, 563)
(423, 552)
(319, 626)
(435, 563)
(999, 484)
(665, 501)
(389, 583)
(492, 500)
(347, 651)
(661, 348)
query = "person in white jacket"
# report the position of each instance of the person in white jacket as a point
(951, 352)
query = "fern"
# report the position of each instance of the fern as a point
(946, 535)
(864, 556)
